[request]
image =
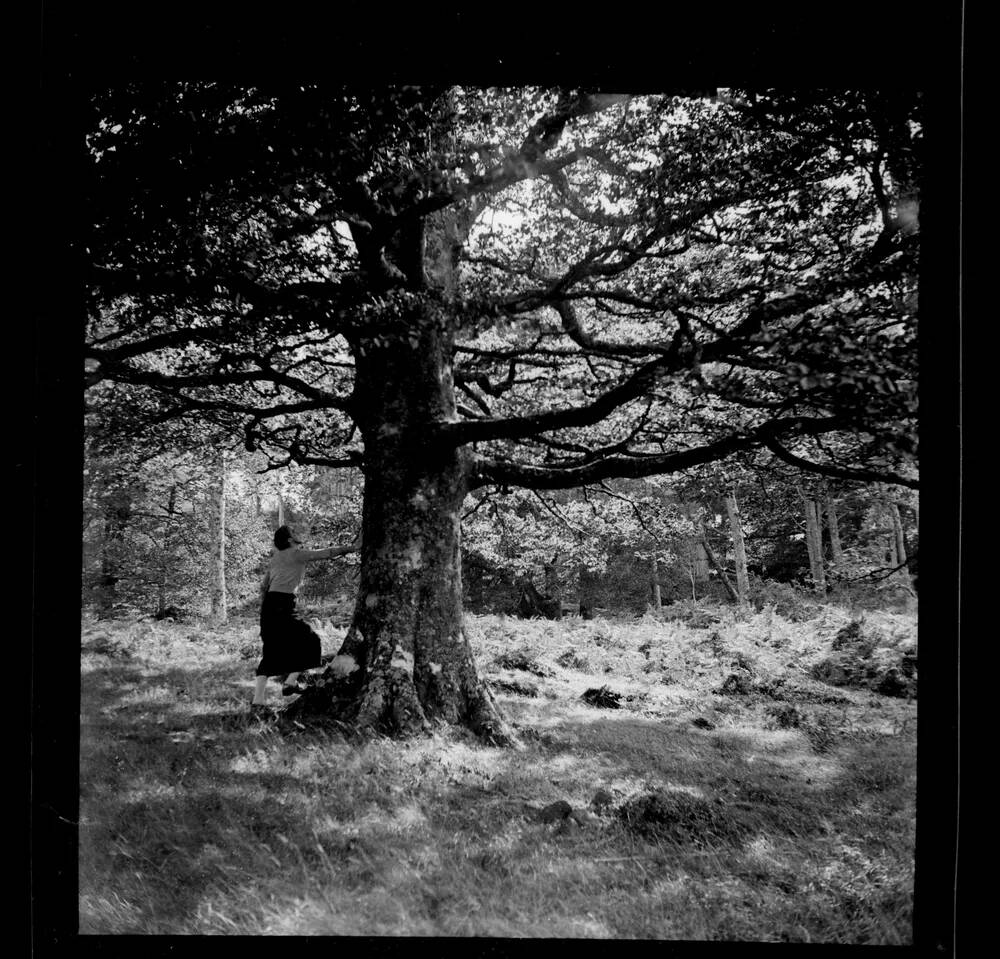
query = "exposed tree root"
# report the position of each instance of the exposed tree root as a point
(388, 701)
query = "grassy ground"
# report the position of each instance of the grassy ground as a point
(782, 810)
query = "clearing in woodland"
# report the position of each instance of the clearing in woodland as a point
(691, 776)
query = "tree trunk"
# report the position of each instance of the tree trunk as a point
(814, 543)
(281, 511)
(406, 661)
(656, 597)
(108, 579)
(897, 533)
(117, 516)
(833, 526)
(220, 602)
(719, 568)
(161, 590)
(553, 587)
(739, 550)
(701, 562)
(899, 544)
(533, 603)
(587, 588)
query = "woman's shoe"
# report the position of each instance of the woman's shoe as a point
(293, 689)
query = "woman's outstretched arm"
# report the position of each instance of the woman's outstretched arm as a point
(312, 554)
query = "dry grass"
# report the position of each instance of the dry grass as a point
(786, 816)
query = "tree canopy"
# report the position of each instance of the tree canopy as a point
(637, 284)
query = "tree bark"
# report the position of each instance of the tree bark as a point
(406, 656)
(117, 515)
(897, 533)
(814, 542)
(656, 597)
(833, 526)
(739, 550)
(553, 587)
(719, 568)
(899, 557)
(533, 603)
(161, 591)
(587, 583)
(701, 562)
(220, 602)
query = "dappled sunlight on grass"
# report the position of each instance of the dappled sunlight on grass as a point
(199, 821)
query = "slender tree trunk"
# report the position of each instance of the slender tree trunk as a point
(407, 660)
(897, 533)
(587, 592)
(108, 580)
(117, 516)
(814, 542)
(220, 603)
(739, 550)
(701, 561)
(281, 511)
(719, 568)
(833, 526)
(899, 556)
(654, 584)
(698, 565)
(161, 591)
(553, 587)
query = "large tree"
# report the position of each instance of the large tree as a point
(453, 288)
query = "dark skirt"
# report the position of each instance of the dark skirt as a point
(290, 644)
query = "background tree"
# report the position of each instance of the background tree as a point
(739, 549)
(454, 288)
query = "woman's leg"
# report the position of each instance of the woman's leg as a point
(260, 691)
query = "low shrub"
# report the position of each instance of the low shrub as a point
(513, 686)
(784, 716)
(518, 659)
(786, 600)
(693, 614)
(667, 814)
(571, 660)
(883, 674)
(821, 731)
(603, 698)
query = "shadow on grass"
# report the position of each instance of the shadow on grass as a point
(191, 800)
(771, 780)
(172, 810)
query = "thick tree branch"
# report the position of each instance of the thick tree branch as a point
(681, 353)
(514, 427)
(318, 399)
(484, 470)
(826, 469)
(529, 162)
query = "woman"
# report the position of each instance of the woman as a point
(290, 644)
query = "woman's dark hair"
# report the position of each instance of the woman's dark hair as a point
(282, 537)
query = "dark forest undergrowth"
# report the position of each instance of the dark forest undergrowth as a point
(733, 793)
